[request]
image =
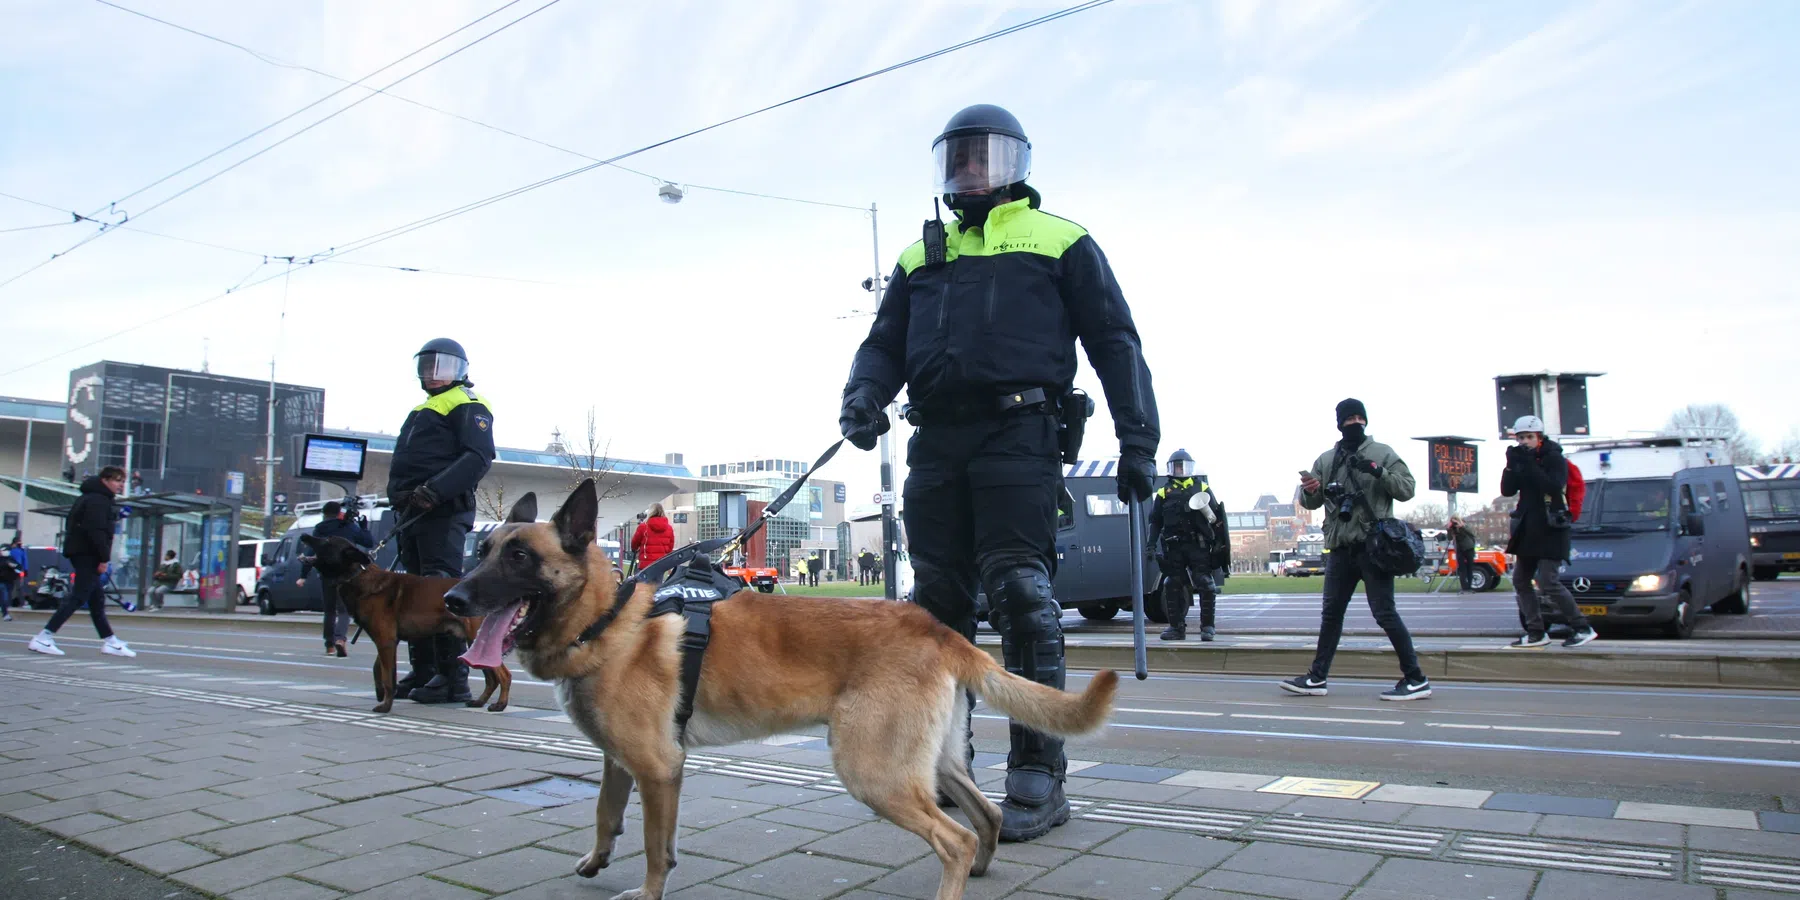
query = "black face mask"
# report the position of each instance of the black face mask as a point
(975, 207)
(1353, 434)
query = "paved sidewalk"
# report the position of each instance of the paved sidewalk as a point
(269, 797)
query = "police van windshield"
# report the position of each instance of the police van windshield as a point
(1763, 501)
(1626, 505)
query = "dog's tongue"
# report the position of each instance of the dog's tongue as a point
(490, 640)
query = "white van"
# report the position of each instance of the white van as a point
(250, 561)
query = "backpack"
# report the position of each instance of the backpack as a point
(1575, 493)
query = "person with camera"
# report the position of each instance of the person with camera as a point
(1462, 541)
(979, 322)
(1189, 544)
(1538, 474)
(337, 523)
(445, 447)
(1357, 482)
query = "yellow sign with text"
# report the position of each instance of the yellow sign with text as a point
(1320, 787)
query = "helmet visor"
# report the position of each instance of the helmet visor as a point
(442, 367)
(1181, 468)
(980, 162)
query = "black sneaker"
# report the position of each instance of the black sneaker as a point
(1580, 637)
(1406, 690)
(1305, 686)
(1528, 642)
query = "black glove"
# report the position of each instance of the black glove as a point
(423, 498)
(1137, 471)
(1517, 456)
(1371, 467)
(862, 421)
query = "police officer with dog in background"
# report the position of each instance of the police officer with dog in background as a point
(1193, 543)
(979, 322)
(445, 447)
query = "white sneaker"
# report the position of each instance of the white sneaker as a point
(44, 644)
(116, 647)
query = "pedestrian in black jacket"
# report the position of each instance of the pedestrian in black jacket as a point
(1538, 474)
(87, 542)
(337, 523)
(1463, 542)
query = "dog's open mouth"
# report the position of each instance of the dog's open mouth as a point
(497, 635)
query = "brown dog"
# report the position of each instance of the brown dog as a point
(887, 679)
(393, 606)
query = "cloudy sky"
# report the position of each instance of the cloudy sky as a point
(1302, 201)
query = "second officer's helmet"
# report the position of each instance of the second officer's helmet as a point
(1181, 465)
(442, 359)
(982, 148)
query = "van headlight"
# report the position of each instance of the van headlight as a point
(1647, 584)
(1756, 540)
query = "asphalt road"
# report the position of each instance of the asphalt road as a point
(1705, 747)
(1774, 612)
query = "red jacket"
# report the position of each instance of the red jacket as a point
(652, 540)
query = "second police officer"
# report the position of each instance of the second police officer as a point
(445, 447)
(1194, 542)
(979, 323)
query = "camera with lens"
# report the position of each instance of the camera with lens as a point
(1343, 500)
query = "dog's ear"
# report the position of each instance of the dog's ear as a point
(357, 554)
(524, 511)
(310, 541)
(575, 521)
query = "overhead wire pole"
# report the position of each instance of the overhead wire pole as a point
(890, 536)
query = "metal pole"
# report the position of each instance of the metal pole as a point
(24, 475)
(890, 538)
(128, 464)
(269, 461)
(1135, 546)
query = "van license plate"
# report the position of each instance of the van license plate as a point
(1592, 610)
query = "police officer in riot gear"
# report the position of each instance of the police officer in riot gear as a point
(1193, 543)
(979, 323)
(445, 447)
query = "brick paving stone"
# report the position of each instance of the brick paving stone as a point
(285, 889)
(706, 812)
(1421, 878)
(1780, 821)
(486, 809)
(151, 831)
(1583, 828)
(1465, 819)
(798, 876)
(418, 887)
(78, 824)
(1582, 886)
(817, 821)
(623, 875)
(1032, 853)
(1079, 834)
(494, 837)
(20, 800)
(1158, 845)
(1112, 878)
(169, 856)
(85, 786)
(359, 873)
(1267, 886)
(749, 840)
(579, 814)
(1734, 840)
(719, 892)
(1553, 805)
(45, 812)
(1310, 864)
(228, 875)
(374, 835)
(1356, 810)
(374, 809)
(256, 835)
(268, 806)
(372, 786)
(257, 787)
(877, 843)
(140, 810)
(491, 780)
(1139, 792)
(439, 796)
(30, 782)
(511, 870)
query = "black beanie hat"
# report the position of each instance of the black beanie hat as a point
(1351, 407)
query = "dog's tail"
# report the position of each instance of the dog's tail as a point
(1039, 706)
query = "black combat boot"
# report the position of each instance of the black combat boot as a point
(1175, 606)
(1031, 643)
(452, 682)
(424, 668)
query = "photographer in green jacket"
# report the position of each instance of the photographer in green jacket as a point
(1357, 482)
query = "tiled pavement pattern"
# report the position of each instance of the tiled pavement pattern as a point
(251, 797)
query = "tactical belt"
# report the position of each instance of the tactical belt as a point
(975, 409)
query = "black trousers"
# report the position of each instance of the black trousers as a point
(1344, 567)
(337, 615)
(434, 546)
(84, 592)
(1465, 568)
(980, 511)
(1189, 571)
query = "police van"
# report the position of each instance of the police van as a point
(1772, 500)
(1662, 534)
(1093, 572)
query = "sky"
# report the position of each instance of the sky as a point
(1302, 201)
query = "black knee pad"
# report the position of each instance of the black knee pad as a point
(1030, 623)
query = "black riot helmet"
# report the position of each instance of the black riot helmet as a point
(982, 149)
(442, 359)
(1181, 465)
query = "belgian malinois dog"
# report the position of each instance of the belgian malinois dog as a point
(394, 606)
(886, 677)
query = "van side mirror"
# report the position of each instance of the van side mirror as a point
(1693, 524)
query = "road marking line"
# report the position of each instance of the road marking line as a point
(1318, 719)
(1165, 712)
(1720, 737)
(1533, 729)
